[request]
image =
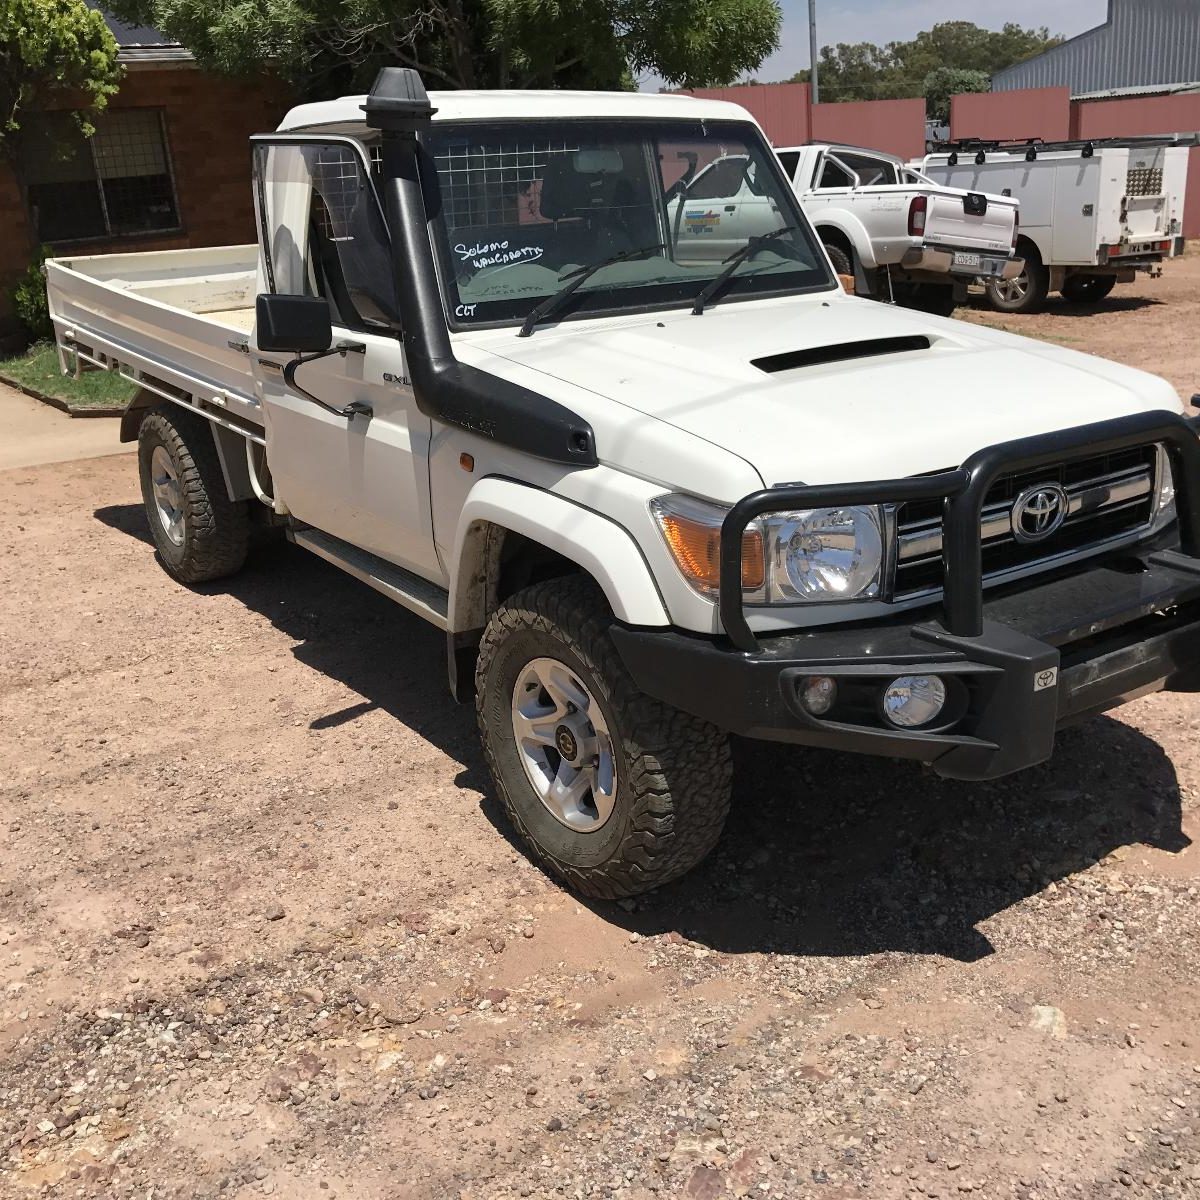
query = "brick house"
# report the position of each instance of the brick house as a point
(168, 167)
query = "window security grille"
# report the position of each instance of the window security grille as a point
(118, 182)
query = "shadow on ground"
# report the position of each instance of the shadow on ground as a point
(1059, 306)
(824, 854)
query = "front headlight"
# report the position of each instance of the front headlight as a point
(812, 555)
(823, 554)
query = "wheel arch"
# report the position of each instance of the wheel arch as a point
(510, 535)
(850, 234)
(231, 445)
(508, 528)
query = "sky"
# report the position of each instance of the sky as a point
(883, 21)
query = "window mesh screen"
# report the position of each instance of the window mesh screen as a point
(337, 179)
(494, 182)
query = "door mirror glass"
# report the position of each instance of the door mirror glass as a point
(292, 324)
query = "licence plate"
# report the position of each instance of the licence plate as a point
(967, 260)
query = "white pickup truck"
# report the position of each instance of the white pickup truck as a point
(473, 362)
(901, 235)
(1093, 214)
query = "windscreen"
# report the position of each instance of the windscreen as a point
(526, 206)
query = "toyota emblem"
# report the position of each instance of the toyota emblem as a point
(1039, 511)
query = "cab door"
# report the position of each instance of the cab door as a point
(364, 479)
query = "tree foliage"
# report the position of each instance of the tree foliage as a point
(943, 82)
(49, 49)
(865, 71)
(327, 45)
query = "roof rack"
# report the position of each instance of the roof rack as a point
(1034, 146)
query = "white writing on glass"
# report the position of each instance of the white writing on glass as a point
(493, 254)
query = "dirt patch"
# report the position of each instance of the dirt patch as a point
(262, 931)
(1151, 323)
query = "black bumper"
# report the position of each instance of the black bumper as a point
(1018, 663)
(1048, 655)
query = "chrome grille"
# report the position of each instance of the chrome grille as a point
(1144, 181)
(1109, 496)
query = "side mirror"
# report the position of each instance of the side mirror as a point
(299, 324)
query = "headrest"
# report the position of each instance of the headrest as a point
(582, 180)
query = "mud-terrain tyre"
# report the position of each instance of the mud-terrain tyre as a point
(668, 774)
(1087, 289)
(840, 259)
(200, 533)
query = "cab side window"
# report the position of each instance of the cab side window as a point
(721, 181)
(790, 160)
(321, 231)
(833, 175)
(871, 171)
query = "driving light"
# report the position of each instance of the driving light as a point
(692, 529)
(914, 700)
(823, 554)
(818, 693)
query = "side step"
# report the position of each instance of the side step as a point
(416, 594)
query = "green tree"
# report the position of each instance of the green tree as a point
(865, 71)
(943, 82)
(326, 45)
(53, 50)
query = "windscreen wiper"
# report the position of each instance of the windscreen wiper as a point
(577, 278)
(749, 250)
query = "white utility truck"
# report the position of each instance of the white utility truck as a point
(1093, 214)
(473, 363)
(902, 236)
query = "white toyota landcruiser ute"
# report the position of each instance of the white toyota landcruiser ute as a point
(654, 493)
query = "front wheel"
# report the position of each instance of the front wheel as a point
(1087, 289)
(612, 791)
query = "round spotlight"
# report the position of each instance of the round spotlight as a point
(914, 700)
(818, 694)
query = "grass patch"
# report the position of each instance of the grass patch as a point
(37, 369)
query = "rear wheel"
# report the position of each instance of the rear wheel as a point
(1088, 289)
(840, 260)
(200, 533)
(612, 791)
(1023, 293)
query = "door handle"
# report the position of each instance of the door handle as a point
(731, 208)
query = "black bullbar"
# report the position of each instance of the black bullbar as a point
(1015, 667)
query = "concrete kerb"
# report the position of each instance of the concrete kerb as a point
(72, 410)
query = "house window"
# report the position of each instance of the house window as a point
(116, 183)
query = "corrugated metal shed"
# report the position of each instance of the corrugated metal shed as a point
(1143, 42)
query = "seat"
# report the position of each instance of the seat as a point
(588, 186)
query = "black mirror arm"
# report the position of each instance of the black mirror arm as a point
(357, 409)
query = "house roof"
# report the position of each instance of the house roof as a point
(141, 43)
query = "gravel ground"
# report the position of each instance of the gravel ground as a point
(263, 931)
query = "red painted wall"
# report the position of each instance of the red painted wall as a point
(1026, 113)
(897, 126)
(782, 109)
(1145, 114)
